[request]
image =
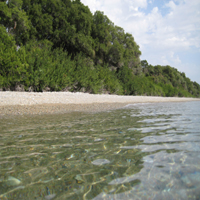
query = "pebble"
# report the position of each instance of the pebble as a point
(12, 181)
(100, 162)
(50, 196)
(98, 140)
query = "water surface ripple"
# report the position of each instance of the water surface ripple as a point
(143, 151)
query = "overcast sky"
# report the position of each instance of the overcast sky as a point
(167, 31)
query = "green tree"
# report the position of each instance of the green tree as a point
(10, 65)
(14, 18)
(132, 52)
(101, 34)
(115, 54)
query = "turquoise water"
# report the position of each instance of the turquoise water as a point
(143, 151)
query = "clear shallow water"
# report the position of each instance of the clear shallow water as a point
(144, 151)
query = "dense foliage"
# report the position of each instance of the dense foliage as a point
(54, 45)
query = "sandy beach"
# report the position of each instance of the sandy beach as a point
(21, 103)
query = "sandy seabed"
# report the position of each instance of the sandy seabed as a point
(22, 103)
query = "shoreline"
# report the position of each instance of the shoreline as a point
(25, 103)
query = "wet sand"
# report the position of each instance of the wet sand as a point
(25, 103)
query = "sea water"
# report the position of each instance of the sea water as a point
(142, 151)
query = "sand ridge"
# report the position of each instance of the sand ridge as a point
(33, 98)
(20, 103)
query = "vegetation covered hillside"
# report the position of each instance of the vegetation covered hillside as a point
(53, 45)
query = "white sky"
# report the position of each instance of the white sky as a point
(168, 32)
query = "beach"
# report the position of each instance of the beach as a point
(32, 103)
(114, 147)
